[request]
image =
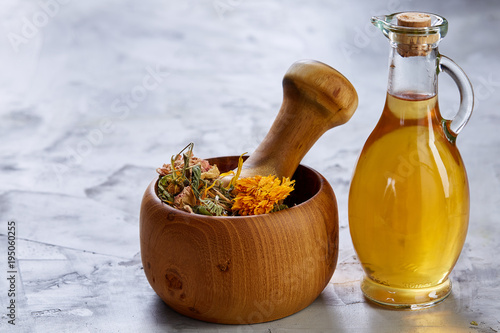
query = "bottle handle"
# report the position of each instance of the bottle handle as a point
(454, 126)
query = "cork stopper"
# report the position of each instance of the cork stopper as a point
(412, 45)
(417, 20)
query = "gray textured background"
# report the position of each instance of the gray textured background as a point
(83, 127)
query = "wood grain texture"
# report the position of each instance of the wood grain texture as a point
(415, 44)
(242, 270)
(316, 98)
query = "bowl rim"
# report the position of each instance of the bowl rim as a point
(322, 184)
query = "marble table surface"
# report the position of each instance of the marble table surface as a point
(96, 94)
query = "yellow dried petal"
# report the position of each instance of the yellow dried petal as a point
(212, 173)
(238, 172)
(258, 195)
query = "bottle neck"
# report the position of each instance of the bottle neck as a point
(413, 77)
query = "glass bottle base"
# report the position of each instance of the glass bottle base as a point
(403, 298)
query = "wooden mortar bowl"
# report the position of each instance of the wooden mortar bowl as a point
(243, 269)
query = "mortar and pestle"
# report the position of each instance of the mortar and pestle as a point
(251, 269)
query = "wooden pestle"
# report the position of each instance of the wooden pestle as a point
(316, 98)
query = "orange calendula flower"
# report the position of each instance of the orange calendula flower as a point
(258, 195)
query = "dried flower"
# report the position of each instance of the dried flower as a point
(212, 173)
(193, 185)
(260, 195)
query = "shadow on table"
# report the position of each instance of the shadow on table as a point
(168, 320)
(315, 318)
(329, 312)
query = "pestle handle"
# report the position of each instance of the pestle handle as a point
(316, 98)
